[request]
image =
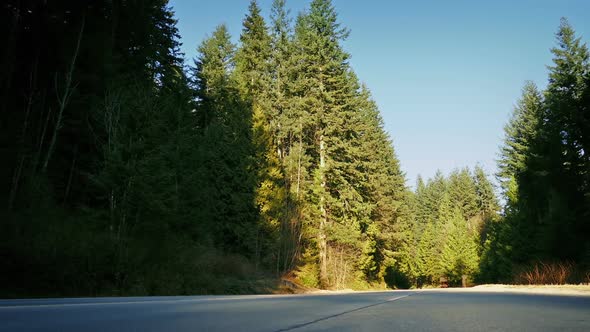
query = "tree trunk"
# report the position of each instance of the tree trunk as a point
(69, 185)
(322, 242)
(63, 100)
(21, 141)
(15, 182)
(299, 159)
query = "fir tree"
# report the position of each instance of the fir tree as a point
(252, 58)
(323, 90)
(228, 189)
(520, 133)
(459, 254)
(463, 192)
(212, 76)
(559, 152)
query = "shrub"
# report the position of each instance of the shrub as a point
(308, 275)
(396, 279)
(544, 273)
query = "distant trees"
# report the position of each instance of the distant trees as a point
(543, 170)
(452, 217)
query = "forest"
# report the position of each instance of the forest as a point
(127, 171)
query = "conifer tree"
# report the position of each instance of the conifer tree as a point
(323, 90)
(426, 261)
(252, 58)
(463, 192)
(253, 75)
(287, 136)
(488, 206)
(435, 189)
(374, 167)
(520, 133)
(459, 253)
(560, 153)
(487, 201)
(227, 150)
(543, 167)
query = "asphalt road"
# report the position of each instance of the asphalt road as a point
(444, 310)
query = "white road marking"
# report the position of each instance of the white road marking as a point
(166, 301)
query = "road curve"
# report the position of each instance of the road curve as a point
(446, 310)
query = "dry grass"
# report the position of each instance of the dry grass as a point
(546, 274)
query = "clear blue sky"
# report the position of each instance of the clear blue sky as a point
(445, 74)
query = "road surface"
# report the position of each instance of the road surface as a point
(444, 310)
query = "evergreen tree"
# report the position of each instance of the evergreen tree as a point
(459, 254)
(552, 185)
(448, 244)
(543, 169)
(252, 58)
(562, 149)
(426, 261)
(487, 202)
(463, 193)
(379, 181)
(212, 76)
(253, 77)
(435, 190)
(323, 89)
(520, 133)
(420, 213)
(287, 136)
(227, 151)
(105, 152)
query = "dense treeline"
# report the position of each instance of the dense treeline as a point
(96, 139)
(304, 142)
(127, 171)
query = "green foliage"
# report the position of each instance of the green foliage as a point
(520, 133)
(487, 201)
(212, 78)
(308, 273)
(227, 149)
(459, 255)
(396, 279)
(463, 193)
(253, 55)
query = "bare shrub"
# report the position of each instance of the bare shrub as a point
(546, 273)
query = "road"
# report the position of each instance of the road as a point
(444, 310)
